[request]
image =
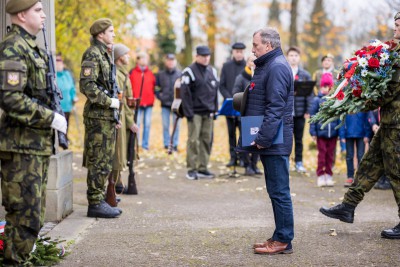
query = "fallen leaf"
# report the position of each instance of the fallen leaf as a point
(333, 232)
(293, 194)
(259, 189)
(331, 191)
(139, 202)
(212, 231)
(333, 203)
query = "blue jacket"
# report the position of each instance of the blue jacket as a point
(272, 97)
(315, 128)
(356, 126)
(66, 84)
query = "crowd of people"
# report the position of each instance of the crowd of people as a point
(268, 85)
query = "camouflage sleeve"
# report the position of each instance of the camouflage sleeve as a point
(89, 73)
(15, 103)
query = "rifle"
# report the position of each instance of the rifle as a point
(111, 196)
(177, 109)
(55, 93)
(132, 190)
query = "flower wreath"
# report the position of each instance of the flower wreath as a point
(362, 82)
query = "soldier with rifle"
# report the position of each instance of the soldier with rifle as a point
(26, 135)
(121, 59)
(100, 115)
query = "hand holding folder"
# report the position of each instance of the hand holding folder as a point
(250, 125)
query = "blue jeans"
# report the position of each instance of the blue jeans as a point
(145, 113)
(276, 169)
(166, 115)
(350, 153)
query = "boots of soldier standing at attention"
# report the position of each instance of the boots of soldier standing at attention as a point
(343, 212)
(102, 210)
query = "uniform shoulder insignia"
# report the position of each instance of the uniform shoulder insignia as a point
(12, 75)
(87, 69)
(189, 72)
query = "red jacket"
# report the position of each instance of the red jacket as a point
(148, 85)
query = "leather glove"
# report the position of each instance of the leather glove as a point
(114, 103)
(59, 123)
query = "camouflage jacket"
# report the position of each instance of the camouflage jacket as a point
(25, 123)
(95, 81)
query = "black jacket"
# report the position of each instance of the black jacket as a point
(272, 97)
(165, 80)
(302, 104)
(199, 88)
(241, 82)
(230, 70)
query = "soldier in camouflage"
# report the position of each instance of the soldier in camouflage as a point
(383, 156)
(98, 113)
(26, 136)
(126, 114)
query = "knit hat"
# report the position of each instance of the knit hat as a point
(100, 25)
(15, 6)
(326, 80)
(120, 50)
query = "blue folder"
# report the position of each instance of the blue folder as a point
(250, 125)
(227, 108)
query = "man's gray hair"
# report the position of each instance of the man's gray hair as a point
(269, 35)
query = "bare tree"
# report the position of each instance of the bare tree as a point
(187, 52)
(293, 23)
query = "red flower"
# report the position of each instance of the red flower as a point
(252, 86)
(357, 92)
(391, 44)
(360, 53)
(340, 95)
(296, 78)
(373, 63)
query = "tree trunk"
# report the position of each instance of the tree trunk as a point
(212, 29)
(293, 23)
(187, 52)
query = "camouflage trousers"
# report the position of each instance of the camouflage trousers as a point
(98, 155)
(383, 157)
(23, 186)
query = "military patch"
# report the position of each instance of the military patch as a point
(13, 78)
(87, 72)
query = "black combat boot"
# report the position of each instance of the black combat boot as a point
(102, 210)
(343, 212)
(393, 233)
(249, 171)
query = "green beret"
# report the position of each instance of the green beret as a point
(15, 6)
(100, 25)
(397, 16)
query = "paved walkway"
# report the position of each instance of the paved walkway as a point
(177, 222)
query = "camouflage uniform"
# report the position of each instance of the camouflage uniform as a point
(383, 156)
(98, 119)
(26, 141)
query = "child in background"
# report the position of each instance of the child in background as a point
(326, 138)
(356, 132)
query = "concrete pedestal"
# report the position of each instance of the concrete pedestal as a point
(59, 187)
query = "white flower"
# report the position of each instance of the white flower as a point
(384, 56)
(363, 62)
(377, 43)
(382, 62)
(364, 73)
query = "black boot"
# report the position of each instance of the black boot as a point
(102, 210)
(343, 212)
(255, 169)
(249, 171)
(383, 184)
(393, 233)
(231, 163)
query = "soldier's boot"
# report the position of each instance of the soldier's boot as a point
(393, 233)
(343, 212)
(102, 210)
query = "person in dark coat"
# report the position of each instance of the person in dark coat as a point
(165, 81)
(302, 106)
(241, 82)
(230, 70)
(271, 95)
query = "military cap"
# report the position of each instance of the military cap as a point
(15, 6)
(120, 50)
(397, 16)
(203, 50)
(238, 45)
(100, 25)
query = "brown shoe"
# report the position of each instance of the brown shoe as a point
(274, 247)
(262, 245)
